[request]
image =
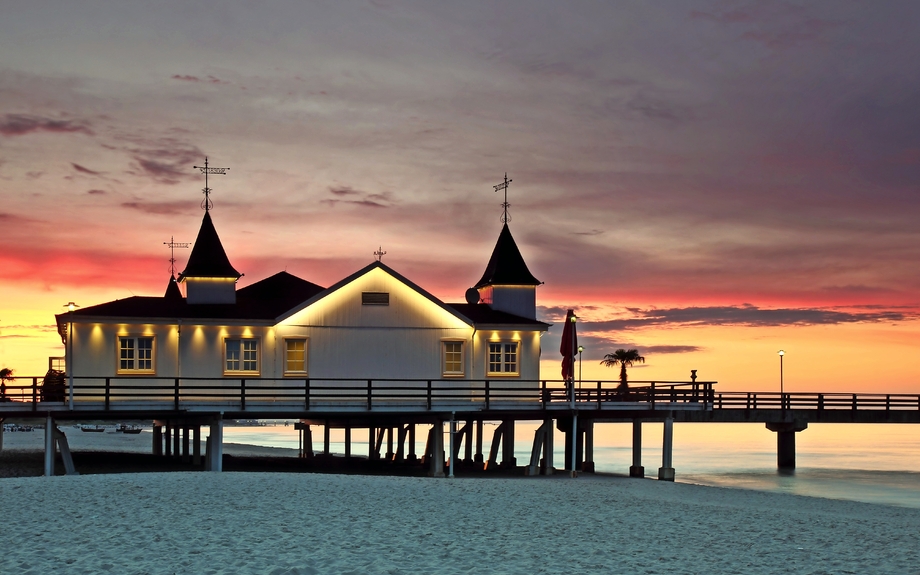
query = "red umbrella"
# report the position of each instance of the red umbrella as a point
(568, 346)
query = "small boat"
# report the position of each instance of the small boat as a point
(131, 429)
(92, 428)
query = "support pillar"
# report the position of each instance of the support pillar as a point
(216, 445)
(326, 439)
(176, 439)
(478, 457)
(196, 444)
(785, 442)
(390, 443)
(437, 449)
(167, 440)
(400, 454)
(1, 434)
(508, 459)
(347, 441)
(588, 465)
(372, 443)
(186, 455)
(666, 471)
(412, 456)
(636, 469)
(546, 465)
(468, 446)
(157, 438)
(453, 452)
(49, 446)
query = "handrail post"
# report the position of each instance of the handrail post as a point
(652, 391)
(176, 394)
(34, 394)
(243, 394)
(854, 402)
(108, 391)
(487, 394)
(888, 403)
(543, 394)
(306, 394)
(369, 395)
(598, 395)
(820, 402)
(429, 395)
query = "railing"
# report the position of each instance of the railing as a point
(817, 401)
(308, 393)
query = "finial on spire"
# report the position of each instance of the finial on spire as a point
(206, 203)
(505, 205)
(380, 253)
(173, 244)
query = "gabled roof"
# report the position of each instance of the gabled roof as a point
(263, 300)
(483, 315)
(365, 270)
(208, 258)
(506, 266)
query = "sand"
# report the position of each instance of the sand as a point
(287, 523)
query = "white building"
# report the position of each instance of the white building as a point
(374, 324)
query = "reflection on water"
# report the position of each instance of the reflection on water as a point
(869, 462)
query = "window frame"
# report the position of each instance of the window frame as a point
(119, 370)
(306, 357)
(453, 374)
(258, 350)
(517, 361)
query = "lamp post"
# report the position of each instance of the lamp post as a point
(70, 307)
(581, 350)
(781, 391)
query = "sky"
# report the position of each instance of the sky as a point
(705, 181)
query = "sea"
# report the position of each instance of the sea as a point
(872, 463)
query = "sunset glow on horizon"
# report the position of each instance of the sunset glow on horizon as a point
(708, 182)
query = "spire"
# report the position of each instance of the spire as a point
(172, 290)
(208, 258)
(506, 266)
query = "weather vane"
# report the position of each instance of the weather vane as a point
(504, 186)
(173, 244)
(380, 253)
(206, 203)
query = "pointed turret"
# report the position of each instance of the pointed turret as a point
(172, 290)
(209, 277)
(507, 285)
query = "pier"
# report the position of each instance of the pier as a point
(392, 412)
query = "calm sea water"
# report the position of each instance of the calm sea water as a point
(871, 463)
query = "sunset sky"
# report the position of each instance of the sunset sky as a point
(706, 181)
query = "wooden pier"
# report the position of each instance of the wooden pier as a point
(390, 412)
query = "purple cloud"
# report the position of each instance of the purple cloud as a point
(22, 124)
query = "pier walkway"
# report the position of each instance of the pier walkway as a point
(391, 409)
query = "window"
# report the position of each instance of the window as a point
(135, 354)
(375, 298)
(453, 357)
(242, 355)
(503, 358)
(295, 356)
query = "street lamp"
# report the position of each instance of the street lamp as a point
(781, 354)
(581, 349)
(69, 363)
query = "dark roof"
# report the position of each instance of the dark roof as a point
(263, 300)
(483, 314)
(172, 290)
(208, 258)
(506, 266)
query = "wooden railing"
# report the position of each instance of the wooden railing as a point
(306, 393)
(816, 401)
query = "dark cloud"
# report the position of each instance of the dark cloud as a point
(209, 79)
(597, 346)
(95, 192)
(85, 170)
(168, 161)
(344, 191)
(744, 316)
(160, 208)
(370, 200)
(21, 124)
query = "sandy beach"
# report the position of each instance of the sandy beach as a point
(280, 523)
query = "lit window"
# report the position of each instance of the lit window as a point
(295, 356)
(503, 358)
(242, 355)
(135, 354)
(453, 357)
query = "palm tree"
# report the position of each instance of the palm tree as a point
(624, 358)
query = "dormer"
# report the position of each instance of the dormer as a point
(209, 277)
(507, 285)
